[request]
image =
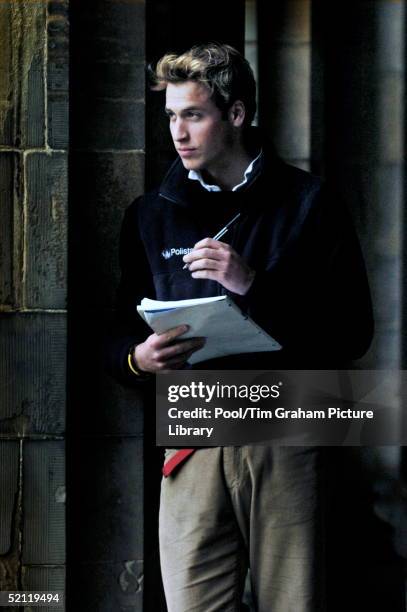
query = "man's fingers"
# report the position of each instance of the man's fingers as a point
(205, 264)
(186, 346)
(203, 253)
(215, 275)
(178, 361)
(168, 336)
(211, 243)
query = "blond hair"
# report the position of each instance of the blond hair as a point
(219, 67)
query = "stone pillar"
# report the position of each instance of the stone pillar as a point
(357, 112)
(403, 467)
(362, 112)
(251, 42)
(33, 290)
(284, 77)
(105, 425)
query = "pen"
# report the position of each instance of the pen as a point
(221, 232)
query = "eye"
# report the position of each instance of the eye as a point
(194, 115)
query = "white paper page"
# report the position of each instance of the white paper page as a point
(147, 304)
(226, 330)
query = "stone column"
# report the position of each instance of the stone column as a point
(284, 76)
(358, 71)
(105, 425)
(251, 39)
(403, 467)
(33, 290)
(361, 117)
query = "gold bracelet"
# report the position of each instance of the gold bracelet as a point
(130, 362)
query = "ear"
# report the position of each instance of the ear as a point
(237, 113)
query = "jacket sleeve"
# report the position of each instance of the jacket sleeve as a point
(136, 283)
(314, 297)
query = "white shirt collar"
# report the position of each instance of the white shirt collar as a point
(195, 175)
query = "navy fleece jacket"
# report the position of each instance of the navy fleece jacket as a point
(310, 290)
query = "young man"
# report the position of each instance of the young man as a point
(293, 262)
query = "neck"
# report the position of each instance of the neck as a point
(231, 170)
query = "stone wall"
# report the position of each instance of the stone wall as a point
(34, 47)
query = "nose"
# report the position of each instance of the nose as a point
(179, 130)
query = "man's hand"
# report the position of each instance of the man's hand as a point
(219, 262)
(164, 352)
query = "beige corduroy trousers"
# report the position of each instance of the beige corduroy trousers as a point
(228, 509)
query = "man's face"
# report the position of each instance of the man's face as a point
(202, 138)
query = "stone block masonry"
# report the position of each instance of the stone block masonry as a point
(34, 70)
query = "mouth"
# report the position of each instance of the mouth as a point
(186, 152)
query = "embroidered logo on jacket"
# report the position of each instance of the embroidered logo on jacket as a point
(168, 253)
